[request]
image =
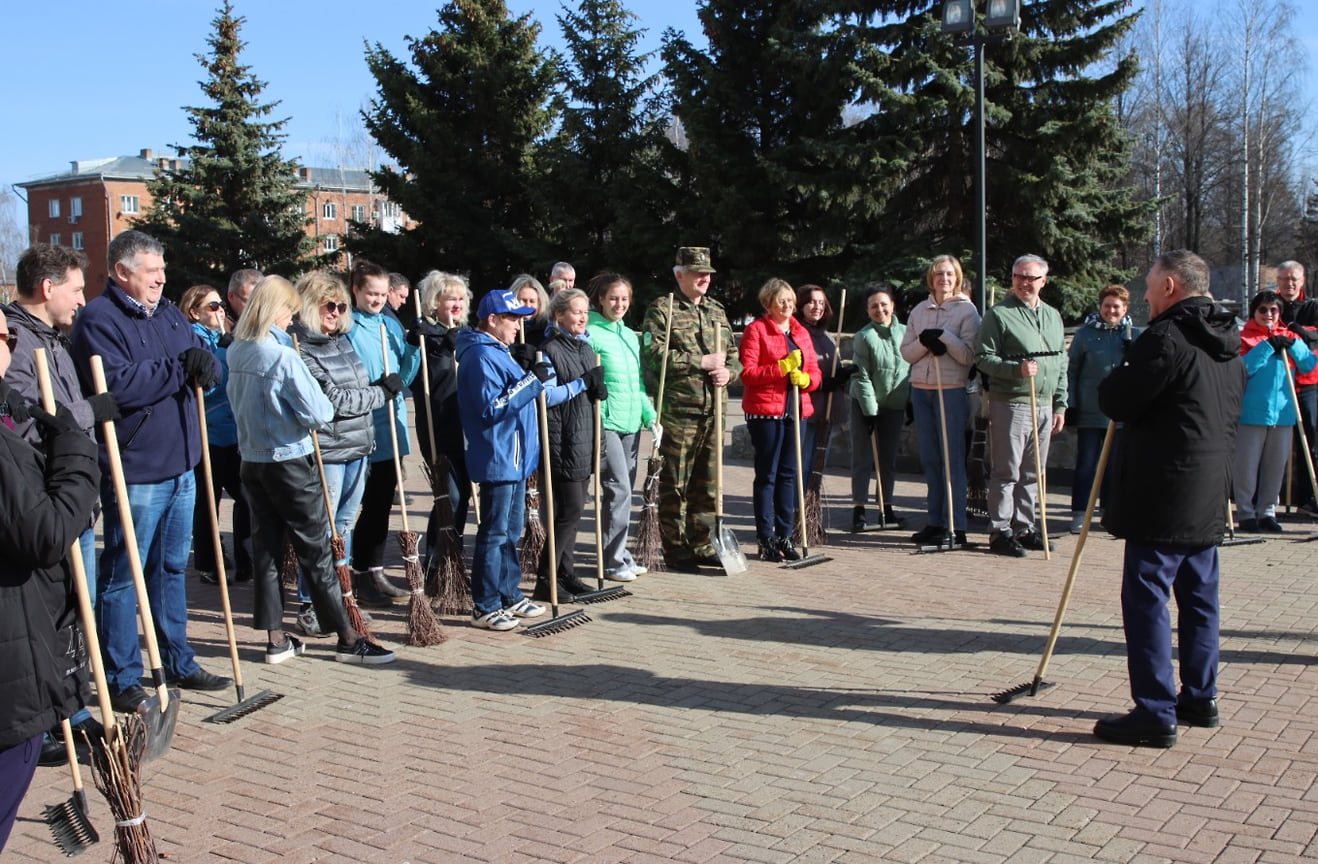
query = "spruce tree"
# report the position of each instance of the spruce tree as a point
(231, 203)
(462, 119)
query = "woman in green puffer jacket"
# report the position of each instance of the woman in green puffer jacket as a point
(627, 409)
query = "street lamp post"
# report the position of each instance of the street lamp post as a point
(1003, 16)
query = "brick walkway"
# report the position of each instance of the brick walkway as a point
(837, 713)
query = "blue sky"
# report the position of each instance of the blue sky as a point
(83, 80)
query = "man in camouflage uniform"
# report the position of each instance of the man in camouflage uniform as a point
(695, 372)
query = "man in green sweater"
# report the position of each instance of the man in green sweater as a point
(1021, 340)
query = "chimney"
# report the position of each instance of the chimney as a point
(146, 154)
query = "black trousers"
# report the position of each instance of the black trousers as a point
(372, 528)
(286, 497)
(226, 476)
(569, 504)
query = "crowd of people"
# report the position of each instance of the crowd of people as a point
(300, 383)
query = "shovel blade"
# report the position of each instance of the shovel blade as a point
(729, 552)
(160, 725)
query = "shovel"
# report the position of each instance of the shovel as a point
(160, 711)
(725, 543)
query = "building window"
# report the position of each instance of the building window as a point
(75, 207)
(329, 210)
(77, 240)
(331, 242)
(128, 203)
(55, 239)
(359, 212)
(54, 208)
(390, 210)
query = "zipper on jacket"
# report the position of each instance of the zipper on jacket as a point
(146, 415)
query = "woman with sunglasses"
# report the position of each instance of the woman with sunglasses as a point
(321, 331)
(1267, 414)
(201, 304)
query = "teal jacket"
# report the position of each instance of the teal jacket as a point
(628, 408)
(1011, 329)
(404, 360)
(883, 379)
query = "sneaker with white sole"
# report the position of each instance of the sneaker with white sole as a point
(525, 608)
(622, 574)
(291, 648)
(637, 569)
(308, 624)
(499, 619)
(363, 651)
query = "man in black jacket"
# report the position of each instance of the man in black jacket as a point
(1178, 394)
(1300, 314)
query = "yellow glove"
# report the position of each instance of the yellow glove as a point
(791, 362)
(798, 378)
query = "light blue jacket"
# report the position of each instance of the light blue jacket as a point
(404, 360)
(220, 428)
(1267, 399)
(275, 400)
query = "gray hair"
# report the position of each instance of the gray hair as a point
(125, 248)
(1030, 259)
(1291, 265)
(1188, 269)
(246, 276)
(563, 299)
(560, 269)
(437, 284)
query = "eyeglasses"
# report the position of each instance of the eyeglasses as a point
(332, 308)
(1025, 277)
(10, 338)
(213, 306)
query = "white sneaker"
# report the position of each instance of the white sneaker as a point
(622, 574)
(638, 570)
(499, 619)
(525, 608)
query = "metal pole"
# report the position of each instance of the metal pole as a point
(981, 205)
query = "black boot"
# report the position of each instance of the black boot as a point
(363, 587)
(787, 549)
(858, 519)
(769, 550)
(890, 517)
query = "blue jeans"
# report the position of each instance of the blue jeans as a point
(496, 570)
(346, 482)
(1151, 575)
(162, 518)
(773, 491)
(1088, 446)
(929, 433)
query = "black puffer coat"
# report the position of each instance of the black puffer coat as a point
(572, 423)
(334, 364)
(44, 501)
(442, 369)
(1178, 394)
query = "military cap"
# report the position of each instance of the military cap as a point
(695, 259)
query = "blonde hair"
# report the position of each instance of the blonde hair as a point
(272, 296)
(316, 289)
(773, 289)
(437, 284)
(956, 268)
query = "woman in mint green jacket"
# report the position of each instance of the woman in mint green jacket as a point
(879, 392)
(624, 412)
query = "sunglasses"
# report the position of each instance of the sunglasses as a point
(213, 306)
(332, 307)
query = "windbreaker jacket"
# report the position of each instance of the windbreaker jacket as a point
(1010, 330)
(221, 431)
(404, 360)
(45, 496)
(628, 407)
(334, 363)
(687, 388)
(1297, 314)
(765, 392)
(1178, 394)
(883, 382)
(158, 432)
(1267, 400)
(1096, 349)
(958, 318)
(275, 400)
(34, 333)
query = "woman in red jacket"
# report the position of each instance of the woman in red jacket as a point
(777, 357)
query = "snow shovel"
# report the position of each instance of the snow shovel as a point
(160, 711)
(725, 542)
(806, 559)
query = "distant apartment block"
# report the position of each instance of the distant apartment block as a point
(98, 198)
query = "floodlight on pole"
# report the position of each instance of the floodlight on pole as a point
(958, 16)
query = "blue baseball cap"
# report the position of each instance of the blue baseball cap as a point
(502, 303)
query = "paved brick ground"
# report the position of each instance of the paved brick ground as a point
(837, 713)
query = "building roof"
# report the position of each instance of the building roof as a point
(143, 167)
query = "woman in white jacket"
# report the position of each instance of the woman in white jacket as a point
(942, 330)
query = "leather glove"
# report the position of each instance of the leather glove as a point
(596, 389)
(798, 379)
(61, 433)
(13, 404)
(105, 408)
(931, 338)
(523, 353)
(198, 368)
(225, 340)
(1281, 343)
(426, 329)
(391, 384)
(791, 362)
(543, 370)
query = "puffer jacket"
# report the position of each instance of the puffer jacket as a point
(440, 369)
(883, 378)
(958, 318)
(221, 430)
(1267, 400)
(1012, 329)
(334, 363)
(765, 392)
(22, 374)
(1178, 394)
(404, 360)
(45, 496)
(1096, 349)
(572, 421)
(628, 407)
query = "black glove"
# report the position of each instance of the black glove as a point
(523, 353)
(198, 368)
(225, 340)
(62, 434)
(596, 389)
(544, 370)
(391, 384)
(13, 404)
(1072, 416)
(929, 338)
(426, 329)
(1281, 343)
(1309, 335)
(105, 408)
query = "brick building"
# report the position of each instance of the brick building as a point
(98, 198)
